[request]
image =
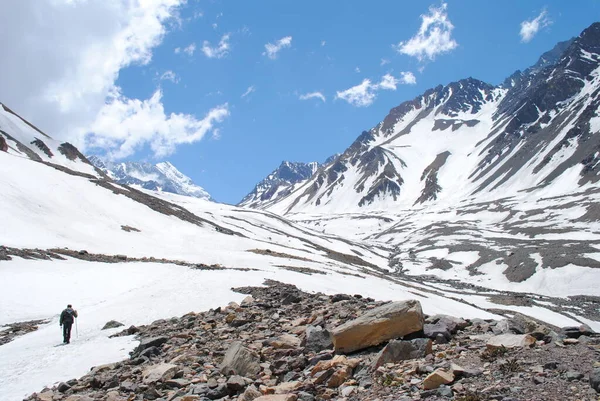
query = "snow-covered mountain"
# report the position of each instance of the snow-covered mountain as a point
(21, 138)
(281, 182)
(156, 177)
(471, 140)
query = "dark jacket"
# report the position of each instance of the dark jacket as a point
(68, 316)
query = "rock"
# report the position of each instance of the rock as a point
(176, 383)
(317, 339)
(437, 378)
(285, 341)
(459, 371)
(399, 350)
(149, 342)
(348, 391)
(128, 386)
(454, 324)
(112, 324)
(502, 327)
(340, 297)
(190, 398)
(304, 396)
(62, 387)
(236, 384)
(510, 341)
(286, 387)
(434, 330)
(384, 323)
(241, 361)
(250, 394)
(45, 396)
(445, 391)
(577, 331)
(3, 144)
(338, 360)
(595, 379)
(570, 341)
(218, 392)
(149, 352)
(277, 397)
(573, 375)
(339, 376)
(160, 372)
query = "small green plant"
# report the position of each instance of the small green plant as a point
(470, 396)
(391, 380)
(510, 366)
(493, 354)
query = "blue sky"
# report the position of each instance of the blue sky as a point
(209, 58)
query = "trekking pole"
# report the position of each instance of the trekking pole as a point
(76, 328)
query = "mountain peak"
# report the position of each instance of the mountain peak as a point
(163, 176)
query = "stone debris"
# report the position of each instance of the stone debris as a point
(278, 345)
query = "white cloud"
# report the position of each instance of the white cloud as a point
(388, 82)
(365, 93)
(530, 28)
(384, 61)
(125, 125)
(273, 49)
(313, 95)
(323, 43)
(190, 49)
(219, 51)
(407, 77)
(169, 76)
(361, 95)
(357, 69)
(433, 37)
(63, 89)
(250, 90)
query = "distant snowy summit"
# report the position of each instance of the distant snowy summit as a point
(156, 177)
(281, 182)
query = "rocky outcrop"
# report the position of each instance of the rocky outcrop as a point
(385, 323)
(205, 356)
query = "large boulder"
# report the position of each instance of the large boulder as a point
(398, 350)
(239, 360)
(510, 341)
(387, 322)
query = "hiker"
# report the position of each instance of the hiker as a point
(67, 317)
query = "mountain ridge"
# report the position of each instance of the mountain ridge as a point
(507, 135)
(162, 176)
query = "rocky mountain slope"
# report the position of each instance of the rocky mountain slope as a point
(20, 138)
(470, 140)
(156, 177)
